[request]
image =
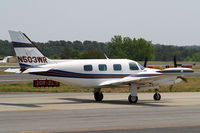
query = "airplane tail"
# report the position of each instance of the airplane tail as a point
(27, 53)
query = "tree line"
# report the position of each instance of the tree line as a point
(118, 47)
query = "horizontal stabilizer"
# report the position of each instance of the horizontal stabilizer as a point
(34, 70)
(29, 70)
(12, 70)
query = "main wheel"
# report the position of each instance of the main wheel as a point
(132, 99)
(98, 96)
(157, 96)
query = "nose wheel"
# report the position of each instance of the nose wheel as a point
(157, 96)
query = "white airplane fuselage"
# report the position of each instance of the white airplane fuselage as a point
(72, 71)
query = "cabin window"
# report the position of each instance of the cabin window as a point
(87, 67)
(117, 67)
(102, 67)
(133, 66)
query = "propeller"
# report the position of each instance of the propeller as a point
(178, 77)
(145, 61)
(184, 79)
(175, 64)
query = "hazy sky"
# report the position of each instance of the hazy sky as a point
(174, 22)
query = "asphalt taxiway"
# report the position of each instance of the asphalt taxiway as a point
(77, 112)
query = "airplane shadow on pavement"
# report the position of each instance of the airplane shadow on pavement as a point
(116, 102)
(150, 103)
(22, 105)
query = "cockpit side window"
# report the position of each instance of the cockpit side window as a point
(133, 66)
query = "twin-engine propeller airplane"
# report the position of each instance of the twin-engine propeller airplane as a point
(93, 73)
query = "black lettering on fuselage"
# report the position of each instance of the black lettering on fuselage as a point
(34, 59)
(29, 59)
(20, 59)
(25, 59)
(40, 59)
(45, 60)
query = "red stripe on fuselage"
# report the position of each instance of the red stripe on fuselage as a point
(23, 45)
(86, 75)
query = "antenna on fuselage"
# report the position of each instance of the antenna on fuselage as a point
(106, 56)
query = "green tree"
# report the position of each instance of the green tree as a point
(92, 54)
(143, 49)
(196, 57)
(188, 58)
(135, 49)
(116, 47)
(69, 53)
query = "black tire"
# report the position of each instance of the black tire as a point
(98, 96)
(132, 99)
(156, 96)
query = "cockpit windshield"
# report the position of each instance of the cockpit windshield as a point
(141, 66)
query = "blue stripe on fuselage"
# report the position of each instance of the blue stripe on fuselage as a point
(67, 74)
(60, 73)
(26, 66)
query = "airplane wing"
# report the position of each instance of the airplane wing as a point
(140, 78)
(157, 77)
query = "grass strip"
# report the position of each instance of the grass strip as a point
(193, 85)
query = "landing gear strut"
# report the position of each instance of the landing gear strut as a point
(157, 96)
(133, 98)
(98, 95)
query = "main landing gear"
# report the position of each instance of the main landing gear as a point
(133, 98)
(98, 95)
(157, 96)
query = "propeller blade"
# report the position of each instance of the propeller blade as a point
(184, 79)
(175, 64)
(145, 61)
